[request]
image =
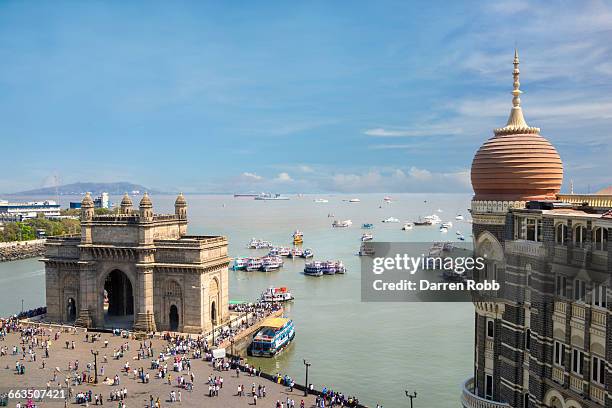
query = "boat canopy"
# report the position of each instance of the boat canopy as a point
(274, 322)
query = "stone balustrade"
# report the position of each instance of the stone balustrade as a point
(526, 248)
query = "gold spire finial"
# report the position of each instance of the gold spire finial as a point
(516, 100)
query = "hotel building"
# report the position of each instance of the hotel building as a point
(546, 339)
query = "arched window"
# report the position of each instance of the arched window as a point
(580, 235)
(561, 234)
(601, 239)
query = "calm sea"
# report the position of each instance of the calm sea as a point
(373, 350)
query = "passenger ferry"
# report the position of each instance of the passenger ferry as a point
(296, 253)
(239, 264)
(391, 220)
(333, 267)
(271, 263)
(313, 268)
(298, 237)
(365, 250)
(253, 264)
(275, 334)
(276, 295)
(255, 243)
(271, 197)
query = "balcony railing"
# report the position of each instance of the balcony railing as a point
(470, 400)
(597, 394)
(598, 317)
(558, 375)
(576, 383)
(578, 311)
(524, 247)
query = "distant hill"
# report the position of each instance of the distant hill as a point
(93, 188)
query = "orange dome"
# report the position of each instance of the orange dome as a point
(517, 164)
(516, 167)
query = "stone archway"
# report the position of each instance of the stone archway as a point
(118, 303)
(213, 290)
(173, 318)
(554, 399)
(71, 311)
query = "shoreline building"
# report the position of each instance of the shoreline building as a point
(137, 270)
(20, 211)
(544, 340)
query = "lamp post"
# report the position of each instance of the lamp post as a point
(21, 306)
(95, 354)
(411, 396)
(307, 364)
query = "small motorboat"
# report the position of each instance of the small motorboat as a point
(307, 253)
(391, 220)
(320, 200)
(459, 217)
(276, 295)
(387, 199)
(354, 200)
(367, 226)
(342, 224)
(408, 226)
(367, 237)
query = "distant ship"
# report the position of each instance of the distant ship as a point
(270, 197)
(246, 195)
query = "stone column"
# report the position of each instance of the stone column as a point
(144, 319)
(87, 286)
(52, 278)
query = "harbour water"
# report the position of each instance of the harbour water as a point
(373, 350)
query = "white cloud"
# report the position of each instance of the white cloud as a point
(424, 130)
(247, 176)
(283, 178)
(306, 169)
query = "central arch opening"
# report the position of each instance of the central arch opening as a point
(174, 318)
(118, 300)
(71, 310)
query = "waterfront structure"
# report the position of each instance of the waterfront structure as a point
(101, 201)
(137, 269)
(545, 340)
(31, 209)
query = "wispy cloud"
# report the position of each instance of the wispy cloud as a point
(421, 131)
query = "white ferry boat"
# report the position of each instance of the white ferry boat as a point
(276, 295)
(354, 200)
(271, 263)
(333, 267)
(320, 200)
(307, 253)
(313, 268)
(255, 243)
(253, 264)
(342, 224)
(275, 334)
(408, 226)
(365, 250)
(296, 252)
(391, 220)
(284, 251)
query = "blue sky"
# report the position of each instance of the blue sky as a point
(309, 96)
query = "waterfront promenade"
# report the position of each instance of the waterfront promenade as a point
(54, 371)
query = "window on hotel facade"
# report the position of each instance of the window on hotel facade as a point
(580, 235)
(561, 285)
(601, 239)
(518, 228)
(531, 229)
(559, 357)
(527, 339)
(577, 361)
(600, 296)
(561, 234)
(488, 386)
(598, 370)
(579, 290)
(490, 328)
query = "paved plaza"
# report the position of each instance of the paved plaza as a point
(56, 370)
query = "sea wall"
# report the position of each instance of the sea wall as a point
(11, 251)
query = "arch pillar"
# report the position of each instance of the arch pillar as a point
(144, 319)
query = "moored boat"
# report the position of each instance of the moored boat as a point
(367, 237)
(408, 226)
(298, 237)
(281, 294)
(253, 264)
(271, 263)
(391, 220)
(342, 224)
(459, 217)
(296, 252)
(367, 226)
(314, 268)
(284, 251)
(365, 250)
(275, 334)
(239, 264)
(307, 253)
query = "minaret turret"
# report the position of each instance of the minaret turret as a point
(180, 207)
(87, 208)
(146, 208)
(126, 205)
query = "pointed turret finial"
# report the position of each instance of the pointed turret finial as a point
(516, 121)
(516, 100)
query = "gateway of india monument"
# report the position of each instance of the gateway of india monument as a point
(546, 339)
(138, 270)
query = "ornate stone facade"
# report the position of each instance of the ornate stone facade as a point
(137, 269)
